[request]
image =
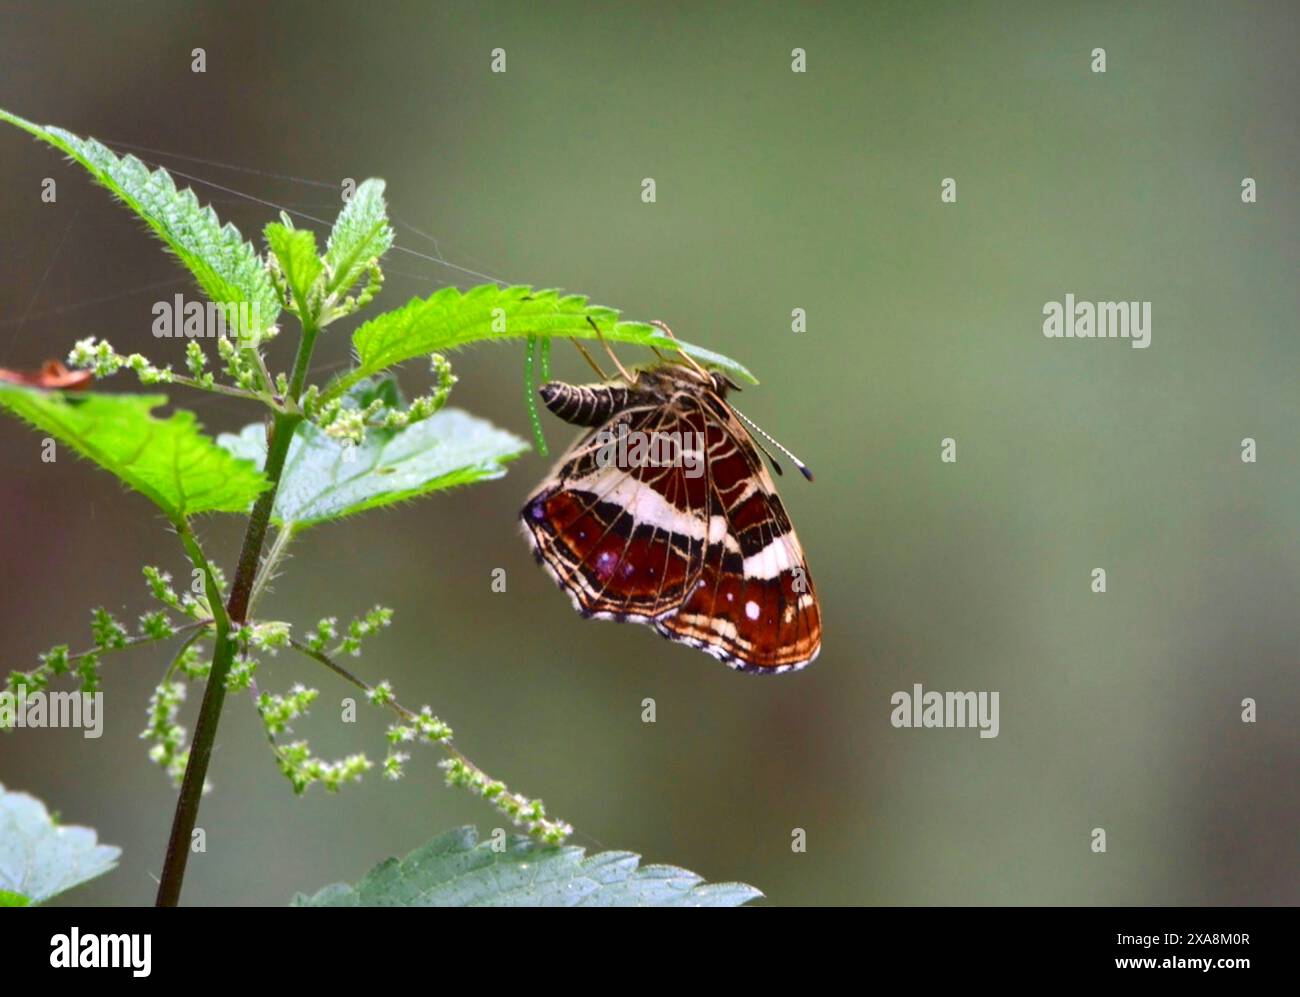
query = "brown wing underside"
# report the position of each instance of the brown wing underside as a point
(711, 561)
(626, 542)
(753, 607)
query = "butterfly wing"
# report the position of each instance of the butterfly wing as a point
(753, 605)
(626, 540)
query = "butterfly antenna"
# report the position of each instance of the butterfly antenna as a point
(621, 369)
(776, 465)
(803, 468)
(587, 356)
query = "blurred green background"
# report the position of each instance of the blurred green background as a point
(775, 191)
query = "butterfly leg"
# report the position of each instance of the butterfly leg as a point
(592, 363)
(663, 327)
(629, 378)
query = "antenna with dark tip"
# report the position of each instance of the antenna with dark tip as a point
(803, 468)
(776, 466)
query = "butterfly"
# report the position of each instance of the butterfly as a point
(664, 514)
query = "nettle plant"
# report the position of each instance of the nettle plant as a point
(320, 453)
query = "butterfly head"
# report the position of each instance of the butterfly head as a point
(673, 376)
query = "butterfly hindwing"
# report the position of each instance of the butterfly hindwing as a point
(754, 606)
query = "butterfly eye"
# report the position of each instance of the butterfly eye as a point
(722, 383)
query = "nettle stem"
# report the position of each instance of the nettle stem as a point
(235, 615)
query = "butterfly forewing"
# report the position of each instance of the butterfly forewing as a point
(626, 542)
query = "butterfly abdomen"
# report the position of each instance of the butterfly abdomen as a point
(584, 404)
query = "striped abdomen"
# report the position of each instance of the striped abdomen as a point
(585, 404)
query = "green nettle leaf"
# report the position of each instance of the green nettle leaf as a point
(456, 870)
(227, 268)
(40, 859)
(295, 251)
(167, 460)
(451, 318)
(360, 234)
(326, 479)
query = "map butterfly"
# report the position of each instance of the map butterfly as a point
(700, 548)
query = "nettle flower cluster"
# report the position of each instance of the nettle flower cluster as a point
(342, 419)
(318, 289)
(189, 615)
